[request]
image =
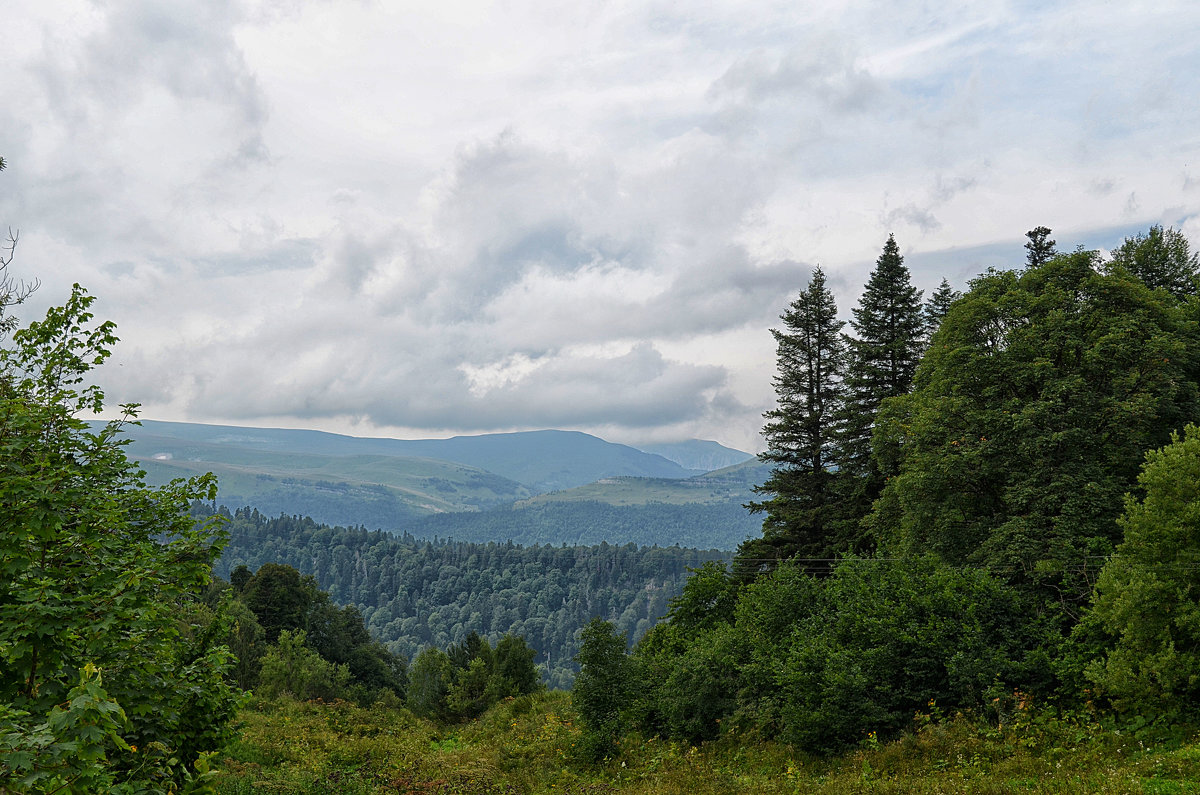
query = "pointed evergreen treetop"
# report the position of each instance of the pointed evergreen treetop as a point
(937, 306)
(801, 434)
(889, 327)
(811, 360)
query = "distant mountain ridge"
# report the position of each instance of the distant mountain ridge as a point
(540, 460)
(532, 487)
(698, 454)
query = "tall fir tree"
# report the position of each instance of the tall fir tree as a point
(801, 514)
(890, 337)
(936, 308)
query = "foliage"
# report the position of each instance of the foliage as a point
(690, 683)
(290, 667)
(822, 661)
(689, 668)
(1040, 248)
(1147, 595)
(936, 308)
(276, 601)
(515, 672)
(105, 644)
(707, 599)
(719, 522)
(604, 687)
(889, 328)
(247, 643)
(1041, 393)
(889, 338)
(882, 638)
(461, 683)
(429, 679)
(279, 598)
(1162, 259)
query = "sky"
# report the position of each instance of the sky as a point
(434, 218)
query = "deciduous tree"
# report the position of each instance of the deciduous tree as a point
(604, 686)
(1029, 419)
(1148, 595)
(102, 624)
(1162, 259)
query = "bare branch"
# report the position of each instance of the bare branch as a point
(12, 292)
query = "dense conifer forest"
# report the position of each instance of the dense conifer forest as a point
(414, 593)
(721, 525)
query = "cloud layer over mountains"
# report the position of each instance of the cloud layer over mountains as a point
(467, 217)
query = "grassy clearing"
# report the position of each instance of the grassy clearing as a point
(527, 745)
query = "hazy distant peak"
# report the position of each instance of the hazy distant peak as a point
(697, 454)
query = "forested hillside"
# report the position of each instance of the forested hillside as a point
(414, 593)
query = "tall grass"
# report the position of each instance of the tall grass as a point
(527, 745)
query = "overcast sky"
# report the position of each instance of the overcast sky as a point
(431, 218)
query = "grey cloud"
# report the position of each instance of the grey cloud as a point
(187, 48)
(639, 389)
(946, 188)
(1131, 204)
(913, 215)
(727, 292)
(147, 125)
(420, 386)
(822, 69)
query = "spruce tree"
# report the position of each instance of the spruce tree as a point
(800, 434)
(890, 329)
(937, 306)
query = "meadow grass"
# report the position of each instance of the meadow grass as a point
(528, 745)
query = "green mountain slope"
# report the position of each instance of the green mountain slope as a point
(353, 482)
